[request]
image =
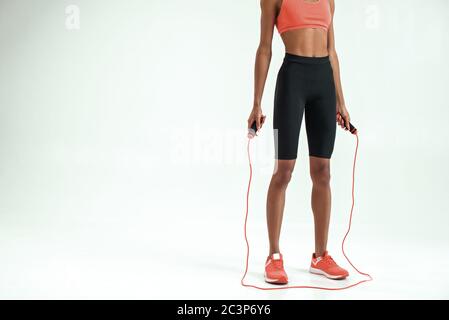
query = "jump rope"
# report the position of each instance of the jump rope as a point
(252, 132)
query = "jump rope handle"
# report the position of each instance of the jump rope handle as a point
(352, 129)
(252, 132)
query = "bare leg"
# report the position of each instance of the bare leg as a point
(276, 201)
(321, 201)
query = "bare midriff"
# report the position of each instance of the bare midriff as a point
(307, 42)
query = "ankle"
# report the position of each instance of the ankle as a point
(319, 253)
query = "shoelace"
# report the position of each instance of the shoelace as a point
(278, 264)
(328, 260)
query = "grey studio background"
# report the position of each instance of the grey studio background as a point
(123, 168)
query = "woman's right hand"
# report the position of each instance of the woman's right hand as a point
(256, 115)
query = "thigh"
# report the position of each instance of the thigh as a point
(288, 112)
(321, 124)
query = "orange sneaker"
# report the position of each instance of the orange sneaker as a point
(327, 267)
(274, 270)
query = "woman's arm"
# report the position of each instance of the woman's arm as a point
(342, 113)
(263, 59)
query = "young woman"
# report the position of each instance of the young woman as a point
(307, 83)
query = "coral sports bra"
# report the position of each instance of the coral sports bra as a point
(300, 14)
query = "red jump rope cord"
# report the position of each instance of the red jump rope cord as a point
(342, 243)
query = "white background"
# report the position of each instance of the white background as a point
(122, 151)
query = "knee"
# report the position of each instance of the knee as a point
(321, 175)
(282, 176)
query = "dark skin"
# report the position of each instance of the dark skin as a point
(308, 42)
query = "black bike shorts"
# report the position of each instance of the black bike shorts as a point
(305, 85)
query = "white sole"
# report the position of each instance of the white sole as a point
(274, 281)
(322, 273)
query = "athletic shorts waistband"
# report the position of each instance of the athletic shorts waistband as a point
(308, 60)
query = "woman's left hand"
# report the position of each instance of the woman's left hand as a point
(343, 117)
